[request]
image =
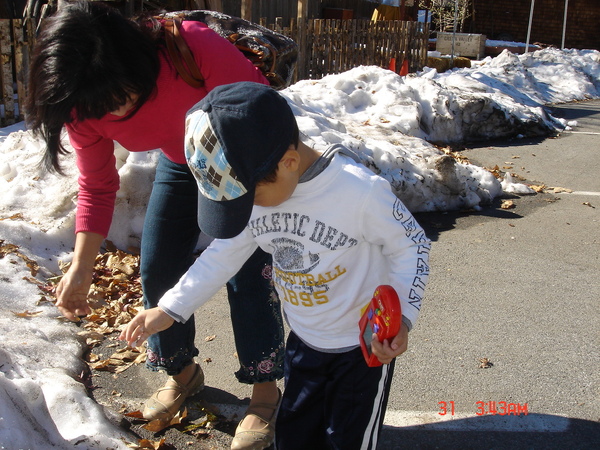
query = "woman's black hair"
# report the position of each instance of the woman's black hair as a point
(87, 61)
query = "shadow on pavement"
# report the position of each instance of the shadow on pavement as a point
(536, 431)
(567, 112)
(434, 223)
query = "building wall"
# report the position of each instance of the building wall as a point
(509, 20)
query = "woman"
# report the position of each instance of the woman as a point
(105, 78)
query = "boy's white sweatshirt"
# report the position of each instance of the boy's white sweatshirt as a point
(333, 242)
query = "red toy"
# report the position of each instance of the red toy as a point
(384, 317)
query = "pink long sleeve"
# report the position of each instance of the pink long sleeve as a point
(159, 124)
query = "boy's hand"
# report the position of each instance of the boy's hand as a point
(144, 324)
(386, 351)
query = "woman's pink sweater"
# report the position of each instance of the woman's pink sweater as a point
(159, 124)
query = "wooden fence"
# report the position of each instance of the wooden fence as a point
(333, 46)
(327, 47)
(16, 43)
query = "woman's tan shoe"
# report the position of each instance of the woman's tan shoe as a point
(256, 438)
(165, 411)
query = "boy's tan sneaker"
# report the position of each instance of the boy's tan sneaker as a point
(256, 438)
(165, 411)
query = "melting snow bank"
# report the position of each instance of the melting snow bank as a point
(391, 120)
(373, 112)
(387, 119)
(49, 407)
(42, 400)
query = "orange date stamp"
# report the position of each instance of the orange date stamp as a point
(490, 407)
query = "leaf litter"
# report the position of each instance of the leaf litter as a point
(115, 297)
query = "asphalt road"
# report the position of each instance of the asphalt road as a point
(514, 290)
(519, 287)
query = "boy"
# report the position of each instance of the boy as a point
(335, 230)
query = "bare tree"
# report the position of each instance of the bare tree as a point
(445, 12)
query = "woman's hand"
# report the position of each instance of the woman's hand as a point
(72, 292)
(386, 351)
(144, 324)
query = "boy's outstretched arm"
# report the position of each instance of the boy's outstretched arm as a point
(386, 351)
(144, 324)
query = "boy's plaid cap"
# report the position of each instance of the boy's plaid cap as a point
(234, 137)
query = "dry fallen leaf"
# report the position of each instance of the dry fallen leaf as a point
(507, 204)
(458, 156)
(128, 354)
(539, 188)
(17, 216)
(27, 314)
(211, 410)
(92, 357)
(558, 190)
(495, 171)
(516, 176)
(92, 338)
(135, 414)
(116, 365)
(159, 425)
(210, 338)
(106, 365)
(195, 427)
(11, 249)
(485, 363)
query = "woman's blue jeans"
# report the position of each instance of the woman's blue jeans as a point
(169, 239)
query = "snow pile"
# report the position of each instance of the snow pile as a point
(391, 121)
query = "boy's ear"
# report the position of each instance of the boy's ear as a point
(290, 159)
